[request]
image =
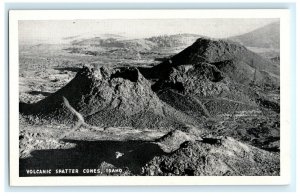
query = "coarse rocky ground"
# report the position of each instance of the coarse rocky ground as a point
(212, 109)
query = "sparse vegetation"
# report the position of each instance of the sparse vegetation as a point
(211, 109)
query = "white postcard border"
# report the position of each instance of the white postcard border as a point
(285, 97)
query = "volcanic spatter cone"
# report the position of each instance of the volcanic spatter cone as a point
(214, 75)
(106, 97)
(223, 53)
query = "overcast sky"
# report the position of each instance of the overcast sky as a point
(54, 31)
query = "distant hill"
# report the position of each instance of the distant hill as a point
(177, 40)
(264, 37)
(133, 44)
(122, 43)
(93, 35)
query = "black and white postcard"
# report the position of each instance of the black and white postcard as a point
(149, 97)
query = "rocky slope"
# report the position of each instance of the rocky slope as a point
(214, 157)
(108, 97)
(213, 77)
(212, 109)
(217, 51)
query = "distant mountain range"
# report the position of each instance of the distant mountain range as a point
(145, 44)
(264, 41)
(264, 37)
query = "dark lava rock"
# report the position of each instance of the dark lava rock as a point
(243, 73)
(108, 97)
(223, 157)
(215, 51)
(172, 140)
(204, 90)
(214, 77)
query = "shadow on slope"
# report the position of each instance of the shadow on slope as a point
(90, 155)
(72, 69)
(44, 93)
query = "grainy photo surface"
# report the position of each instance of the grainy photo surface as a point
(149, 97)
